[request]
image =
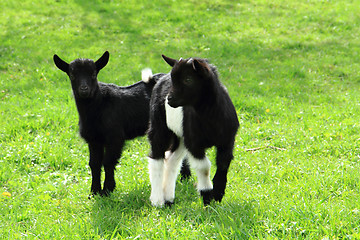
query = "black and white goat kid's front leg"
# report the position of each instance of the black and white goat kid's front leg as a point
(156, 175)
(163, 173)
(171, 171)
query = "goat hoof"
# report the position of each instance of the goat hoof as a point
(185, 177)
(159, 203)
(95, 192)
(218, 196)
(207, 196)
(157, 200)
(105, 193)
(169, 204)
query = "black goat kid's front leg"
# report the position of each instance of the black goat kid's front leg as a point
(111, 157)
(223, 159)
(96, 157)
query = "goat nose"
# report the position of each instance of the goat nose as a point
(84, 88)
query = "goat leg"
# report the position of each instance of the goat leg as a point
(185, 170)
(96, 156)
(223, 159)
(112, 154)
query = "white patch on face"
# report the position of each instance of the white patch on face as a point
(174, 118)
(202, 169)
(156, 173)
(172, 169)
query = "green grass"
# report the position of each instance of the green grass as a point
(291, 68)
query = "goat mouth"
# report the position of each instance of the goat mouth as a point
(173, 103)
(84, 94)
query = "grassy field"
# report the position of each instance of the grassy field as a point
(291, 68)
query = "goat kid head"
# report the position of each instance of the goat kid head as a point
(190, 78)
(83, 74)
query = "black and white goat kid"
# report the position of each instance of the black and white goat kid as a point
(190, 111)
(108, 114)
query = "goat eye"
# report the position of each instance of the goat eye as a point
(188, 81)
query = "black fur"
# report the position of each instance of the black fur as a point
(108, 115)
(209, 119)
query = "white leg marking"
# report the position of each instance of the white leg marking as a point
(174, 118)
(156, 173)
(172, 169)
(202, 169)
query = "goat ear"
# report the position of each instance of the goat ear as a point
(61, 64)
(102, 61)
(169, 61)
(200, 66)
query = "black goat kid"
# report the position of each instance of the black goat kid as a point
(108, 114)
(190, 111)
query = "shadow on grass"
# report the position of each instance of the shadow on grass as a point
(118, 211)
(129, 214)
(235, 219)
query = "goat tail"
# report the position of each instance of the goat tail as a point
(146, 75)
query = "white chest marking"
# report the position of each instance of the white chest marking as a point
(174, 118)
